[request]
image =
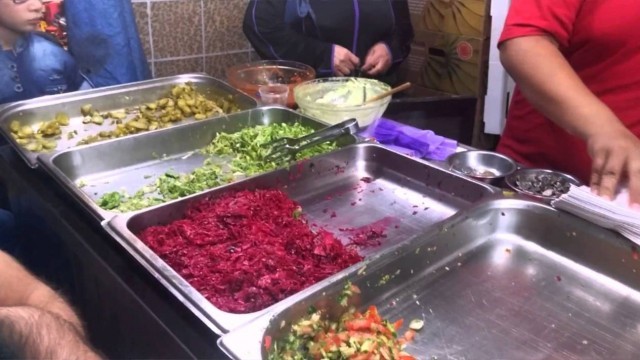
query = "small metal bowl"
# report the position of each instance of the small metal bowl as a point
(487, 166)
(541, 184)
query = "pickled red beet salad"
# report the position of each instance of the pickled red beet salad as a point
(247, 250)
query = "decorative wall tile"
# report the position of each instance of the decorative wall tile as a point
(223, 26)
(176, 27)
(183, 36)
(177, 67)
(142, 21)
(216, 65)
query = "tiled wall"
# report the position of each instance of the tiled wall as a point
(181, 36)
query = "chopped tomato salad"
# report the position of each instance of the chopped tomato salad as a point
(355, 336)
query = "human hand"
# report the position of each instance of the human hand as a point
(378, 60)
(616, 154)
(344, 62)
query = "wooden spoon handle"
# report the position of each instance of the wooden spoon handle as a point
(396, 89)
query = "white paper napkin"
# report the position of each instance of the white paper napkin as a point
(615, 214)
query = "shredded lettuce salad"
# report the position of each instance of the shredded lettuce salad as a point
(245, 151)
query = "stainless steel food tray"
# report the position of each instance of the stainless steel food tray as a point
(106, 99)
(398, 193)
(508, 279)
(133, 162)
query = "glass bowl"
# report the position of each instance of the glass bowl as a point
(250, 76)
(340, 98)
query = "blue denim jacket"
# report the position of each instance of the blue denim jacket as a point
(36, 66)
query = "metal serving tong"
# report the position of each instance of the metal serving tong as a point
(287, 148)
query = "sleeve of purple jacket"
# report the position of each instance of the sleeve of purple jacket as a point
(265, 28)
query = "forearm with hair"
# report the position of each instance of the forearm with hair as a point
(33, 333)
(46, 299)
(19, 288)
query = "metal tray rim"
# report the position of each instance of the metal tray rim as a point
(117, 226)
(32, 158)
(361, 142)
(147, 258)
(252, 331)
(46, 161)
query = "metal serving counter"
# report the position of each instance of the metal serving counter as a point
(128, 312)
(137, 307)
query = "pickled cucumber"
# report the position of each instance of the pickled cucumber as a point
(181, 102)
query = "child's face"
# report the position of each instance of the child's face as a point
(20, 16)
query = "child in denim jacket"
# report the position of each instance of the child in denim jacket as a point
(32, 64)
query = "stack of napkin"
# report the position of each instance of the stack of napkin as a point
(411, 141)
(615, 215)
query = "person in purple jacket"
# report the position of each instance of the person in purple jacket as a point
(335, 37)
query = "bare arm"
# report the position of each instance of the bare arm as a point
(32, 333)
(19, 288)
(547, 80)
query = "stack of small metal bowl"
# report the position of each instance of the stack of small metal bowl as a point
(541, 184)
(499, 170)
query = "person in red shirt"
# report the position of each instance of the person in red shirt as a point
(576, 107)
